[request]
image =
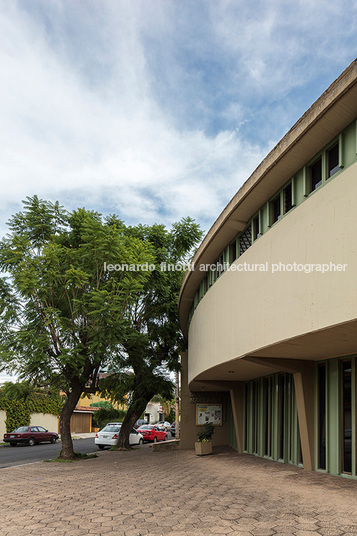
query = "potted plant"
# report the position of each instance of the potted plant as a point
(203, 445)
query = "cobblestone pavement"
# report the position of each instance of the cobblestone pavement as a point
(174, 493)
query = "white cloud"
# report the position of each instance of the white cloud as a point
(152, 110)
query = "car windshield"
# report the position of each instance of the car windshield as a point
(145, 427)
(111, 428)
(22, 429)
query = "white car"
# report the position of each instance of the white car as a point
(108, 436)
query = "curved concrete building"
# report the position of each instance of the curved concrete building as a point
(269, 306)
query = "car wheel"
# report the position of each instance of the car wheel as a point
(101, 447)
(155, 439)
(13, 444)
(53, 439)
(141, 442)
(31, 442)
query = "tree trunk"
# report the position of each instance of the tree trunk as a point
(65, 423)
(136, 408)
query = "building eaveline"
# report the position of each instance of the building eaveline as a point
(277, 352)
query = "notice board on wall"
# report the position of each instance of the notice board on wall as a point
(209, 413)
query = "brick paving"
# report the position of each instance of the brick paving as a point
(174, 493)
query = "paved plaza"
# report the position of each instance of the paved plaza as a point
(142, 492)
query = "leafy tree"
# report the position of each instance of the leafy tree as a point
(62, 314)
(19, 390)
(152, 339)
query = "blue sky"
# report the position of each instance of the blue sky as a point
(156, 109)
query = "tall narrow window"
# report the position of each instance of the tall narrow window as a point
(245, 240)
(281, 386)
(315, 171)
(321, 376)
(275, 209)
(233, 252)
(266, 415)
(196, 299)
(246, 415)
(220, 265)
(206, 285)
(346, 457)
(256, 417)
(254, 423)
(288, 198)
(332, 161)
(256, 231)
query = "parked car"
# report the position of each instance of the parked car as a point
(167, 425)
(108, 436)
(151, 432)
(30, 435)
(160, 426)
(173, 429)
(140, 422)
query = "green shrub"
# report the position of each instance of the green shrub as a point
(206, 434)
(18, 412)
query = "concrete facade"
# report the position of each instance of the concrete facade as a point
(286, 300)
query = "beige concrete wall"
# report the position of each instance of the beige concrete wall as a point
(46, 420)
(2, 424)
(246, 311)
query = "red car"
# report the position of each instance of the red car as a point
(151, 432)
(30, 435)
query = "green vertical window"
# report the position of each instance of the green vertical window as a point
(288, 197)
(321, 386)
(346, 421)
(333, 160)
(315, 174)
(275, 209)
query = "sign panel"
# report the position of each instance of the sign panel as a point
(209, 413)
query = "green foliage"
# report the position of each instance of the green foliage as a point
(152, 339)
(18, 411)
(206, 434)
(62, 314)
(17, 414)
(105, 415)
(102, 404)
(18, 391)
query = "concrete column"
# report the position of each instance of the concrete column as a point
(188, 416)
(237, 401)
(304, 390)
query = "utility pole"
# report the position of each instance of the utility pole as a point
(177, 398)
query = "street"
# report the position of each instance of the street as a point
(22, 454)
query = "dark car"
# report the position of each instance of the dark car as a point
(140, 422)
(30, 435)
(173, 429)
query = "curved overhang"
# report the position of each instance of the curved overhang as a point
(333, 341)
(325, 119)
(251, 321)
